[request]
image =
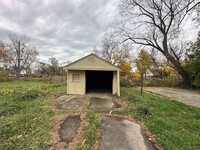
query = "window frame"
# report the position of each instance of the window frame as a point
(76, 77)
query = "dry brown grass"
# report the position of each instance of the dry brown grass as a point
(55, 79)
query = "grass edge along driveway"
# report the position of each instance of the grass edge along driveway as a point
(173, 124)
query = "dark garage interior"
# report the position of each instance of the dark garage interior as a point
(99, 81)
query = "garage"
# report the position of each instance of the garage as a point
(99, 81)
(92, 74)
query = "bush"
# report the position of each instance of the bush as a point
(32, 94)
(131, 98)
(142, 110)
(129, 82)
(55, 79)
(196, 82)
(28, 95)
(165, 82)
(3, 76)
(32, 79)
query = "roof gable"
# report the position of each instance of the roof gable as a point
(91, 62)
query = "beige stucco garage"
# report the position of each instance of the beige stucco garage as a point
(92, 74)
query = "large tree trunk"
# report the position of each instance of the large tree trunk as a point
(177, 65)
(181, 71)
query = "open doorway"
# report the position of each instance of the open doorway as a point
(99, 81)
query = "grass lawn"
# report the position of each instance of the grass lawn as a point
(175, 126)
(25, 110)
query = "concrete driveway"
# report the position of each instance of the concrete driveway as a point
(185, 96)
(117, 133)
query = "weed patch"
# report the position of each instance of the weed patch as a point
(89, 132)
(131, 98)
(28, 95)
(142, 110)
(25, 114)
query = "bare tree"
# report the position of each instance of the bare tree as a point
(54, 68)
(112, 51)
(154, 57)
(156, 23)
(24, 54)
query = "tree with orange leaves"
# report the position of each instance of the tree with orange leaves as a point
(143, 63)
(5, 56)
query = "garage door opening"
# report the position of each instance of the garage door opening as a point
(99, 81)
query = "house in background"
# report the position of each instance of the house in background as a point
(23, 73)
(92, 74)
(151, 74)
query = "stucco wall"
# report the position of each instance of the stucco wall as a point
(75, 87)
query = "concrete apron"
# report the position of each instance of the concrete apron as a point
(92, 102)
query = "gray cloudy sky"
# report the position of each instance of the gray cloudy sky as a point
(64, 29)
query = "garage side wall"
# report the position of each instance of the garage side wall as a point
(75, 82)
(114, 82)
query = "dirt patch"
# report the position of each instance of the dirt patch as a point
(68, 128)
(57, 120)
(102, 103)
(118, 133)
(70, 102)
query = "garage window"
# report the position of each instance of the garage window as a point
(75, 77)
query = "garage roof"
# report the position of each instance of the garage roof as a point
(91, 62)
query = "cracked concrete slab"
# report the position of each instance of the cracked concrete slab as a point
(68, 128)
(122, 134)
(93, 102)
(101, 103)
(70, 102)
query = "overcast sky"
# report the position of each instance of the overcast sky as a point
(64, 29)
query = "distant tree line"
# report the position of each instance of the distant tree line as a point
(19, 55)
